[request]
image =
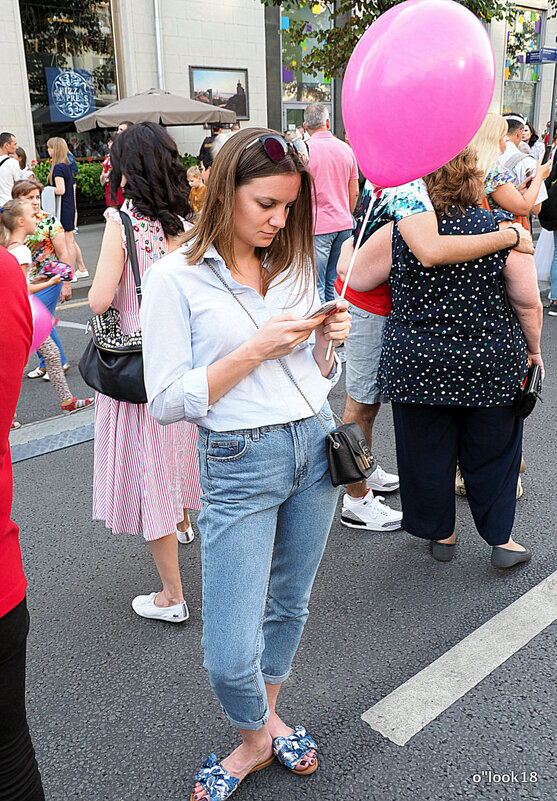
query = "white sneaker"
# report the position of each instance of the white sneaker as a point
(370, 514)
(38, 372)
(380, 481)
(145, 606)
(187, 536)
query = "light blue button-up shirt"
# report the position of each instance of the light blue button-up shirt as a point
(190, 320)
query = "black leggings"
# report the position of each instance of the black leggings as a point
(20, 779)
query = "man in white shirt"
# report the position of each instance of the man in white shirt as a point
(521, 165)
(10, 171)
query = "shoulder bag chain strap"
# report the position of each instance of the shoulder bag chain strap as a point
(280, 361)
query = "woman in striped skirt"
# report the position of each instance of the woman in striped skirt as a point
(146, 475)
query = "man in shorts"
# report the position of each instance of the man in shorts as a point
(360, 507)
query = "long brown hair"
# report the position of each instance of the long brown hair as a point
(458, 184)
(59, 154)
(291, 251)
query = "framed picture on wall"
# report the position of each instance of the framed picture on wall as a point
(221, 86)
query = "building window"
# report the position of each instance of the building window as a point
(299, 88)
(521, 79)
(69, 52)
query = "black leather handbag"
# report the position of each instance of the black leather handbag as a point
(349, 456)
(526, 397)
(348, 453)
(112, 362)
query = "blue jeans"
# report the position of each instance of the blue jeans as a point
(49, 297)
(327, 250)
(268, 505)
(553, 273)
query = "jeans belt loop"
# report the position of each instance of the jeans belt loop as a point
(255, 434)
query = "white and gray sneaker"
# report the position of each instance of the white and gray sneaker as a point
(381, 481)
(369, 513)
(144, 605)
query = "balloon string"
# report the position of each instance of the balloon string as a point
(352, 261)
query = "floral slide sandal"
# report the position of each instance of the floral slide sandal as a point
(290, 750)
(217, 782)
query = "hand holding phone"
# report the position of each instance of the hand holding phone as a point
(327, 308)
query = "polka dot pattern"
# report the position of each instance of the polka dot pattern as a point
(449, 339)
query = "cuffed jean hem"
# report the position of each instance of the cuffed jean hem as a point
(238, 724)
(275, 679)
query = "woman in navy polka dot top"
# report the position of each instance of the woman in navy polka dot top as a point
(454, 355)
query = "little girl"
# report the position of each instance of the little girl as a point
(18, 221)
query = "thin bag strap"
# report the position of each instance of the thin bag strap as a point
(280, 361)
(132, 252)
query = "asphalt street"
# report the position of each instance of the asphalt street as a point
(120, 707)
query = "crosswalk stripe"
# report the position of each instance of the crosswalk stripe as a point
(421, 699)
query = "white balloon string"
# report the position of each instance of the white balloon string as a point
(353, 259)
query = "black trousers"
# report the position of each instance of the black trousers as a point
(487, 441)
(20, 779)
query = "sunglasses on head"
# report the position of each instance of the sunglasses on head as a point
(278, 148)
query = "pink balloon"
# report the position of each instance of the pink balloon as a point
(416, 89)
(42, 322)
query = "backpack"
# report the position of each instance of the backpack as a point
(513, 161)
(74, 167)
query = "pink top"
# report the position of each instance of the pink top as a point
(145, 474)
(333, 165)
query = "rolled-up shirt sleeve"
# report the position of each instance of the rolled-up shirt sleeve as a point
(175, 391)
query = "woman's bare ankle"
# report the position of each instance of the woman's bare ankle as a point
(248, 755)
(164, 599)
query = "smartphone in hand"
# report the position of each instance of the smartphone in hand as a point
(327, 308)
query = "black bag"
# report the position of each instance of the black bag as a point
(350, 459)
(526, 397)
(529, 392)
(112, 362)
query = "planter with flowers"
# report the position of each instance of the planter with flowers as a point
(89, 192)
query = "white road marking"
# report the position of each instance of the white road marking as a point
(67, 324)
(421, 699)
(71, 304)
(52, 426)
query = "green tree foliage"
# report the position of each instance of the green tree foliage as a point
(189, 161)
(352, 18)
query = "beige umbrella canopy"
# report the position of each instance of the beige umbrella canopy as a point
(155, 105)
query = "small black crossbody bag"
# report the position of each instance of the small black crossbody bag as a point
(348, 453)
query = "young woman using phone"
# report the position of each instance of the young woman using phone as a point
(223, 310)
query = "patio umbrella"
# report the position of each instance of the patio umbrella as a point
(155, 105)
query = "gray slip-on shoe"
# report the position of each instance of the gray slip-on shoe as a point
(504, 557)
